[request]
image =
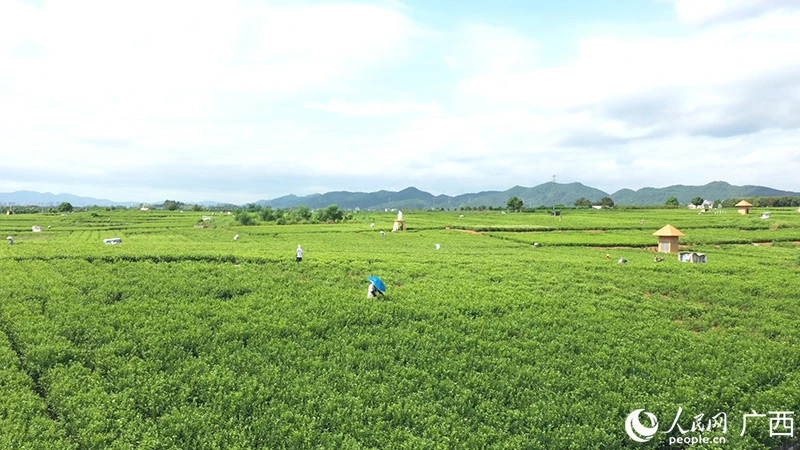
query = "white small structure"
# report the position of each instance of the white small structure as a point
(692, 257)
(383, 233)
(236, 238)
(372, 225)
(112, 241)
(765, 215)
(144, 208)
(206, 218)
(438, 246)
(36, 229)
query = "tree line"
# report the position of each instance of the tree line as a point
(251, 213)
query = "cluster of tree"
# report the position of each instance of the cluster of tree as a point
(584, 202)
(765, 202)
(480, 208)
(301, 214)
(514, 204)
(31, 209)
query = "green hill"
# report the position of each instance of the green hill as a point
(716, 190)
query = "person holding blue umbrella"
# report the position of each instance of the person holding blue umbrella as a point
(376, 286)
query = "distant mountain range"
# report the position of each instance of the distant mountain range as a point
(541, 195)
(412, 198)
(48, 199)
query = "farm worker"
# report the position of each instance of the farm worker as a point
(10, 240)
(299, 253)
(372, 290)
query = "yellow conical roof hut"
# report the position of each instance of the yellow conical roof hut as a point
(668, 239)
(744, 207)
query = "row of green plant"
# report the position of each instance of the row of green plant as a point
(182, 337)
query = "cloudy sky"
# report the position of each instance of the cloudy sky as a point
(245, 100)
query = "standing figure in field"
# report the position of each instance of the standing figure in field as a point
(299, 253)
(399, 215)
(10, 240)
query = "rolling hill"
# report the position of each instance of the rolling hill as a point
(544, 194)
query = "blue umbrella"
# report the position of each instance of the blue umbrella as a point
(378, 283)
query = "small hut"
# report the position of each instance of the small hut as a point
(668, 239)
(399, 224)
(744, 207)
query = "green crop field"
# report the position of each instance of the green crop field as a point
(181, 337)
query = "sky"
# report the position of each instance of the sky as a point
(239, 101)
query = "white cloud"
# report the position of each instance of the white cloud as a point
(270, 98)
(699, 12)
(144, 82)
(605, 68)
(490, 49)
(374, 108)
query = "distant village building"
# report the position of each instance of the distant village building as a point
(668, 239)
(744, 207)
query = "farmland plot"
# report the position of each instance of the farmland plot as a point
(181, 337)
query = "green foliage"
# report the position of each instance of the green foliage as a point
(606, 202)
(770, 202)
(583, 202)
(171, 205)
(330, 214)
(182, 338)
(514, 204)
(672, 201)
(267, 214)
(65, 207)
(301, 214)
(244, 218)
(697, 201)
